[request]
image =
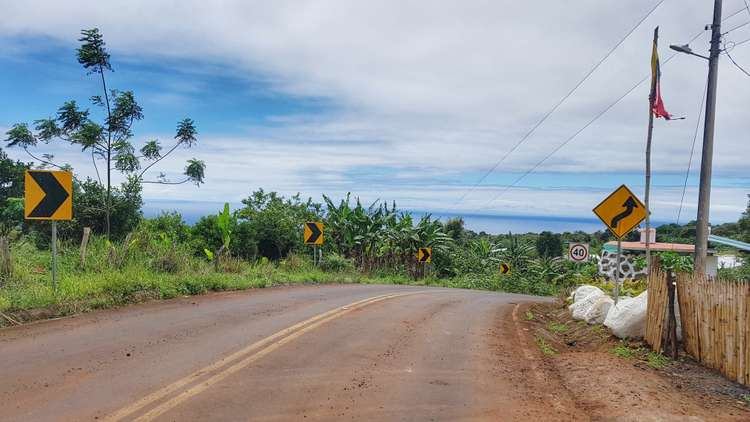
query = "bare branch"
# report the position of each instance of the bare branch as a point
(157, 160)
(160, 182)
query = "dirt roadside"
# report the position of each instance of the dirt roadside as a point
(607, 379)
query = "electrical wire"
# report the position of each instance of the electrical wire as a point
(736, 28)
(589, 123)
(735, 63)
(556, 106)
(733, 14)
(692, 151)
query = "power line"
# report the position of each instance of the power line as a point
(736, 28)
(557, 105)
(589, 123)
(692, 151)
(735, 63)
(733, 14)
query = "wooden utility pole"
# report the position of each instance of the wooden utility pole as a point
(704, 194)
(651, 99)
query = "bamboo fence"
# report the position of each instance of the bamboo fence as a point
(656, 309)
(716, 323)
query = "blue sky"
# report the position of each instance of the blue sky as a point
(407, 103)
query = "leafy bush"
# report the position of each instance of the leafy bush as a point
(295, 262)
(336, 263)
(672, 261)
(169, 223)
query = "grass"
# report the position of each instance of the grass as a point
(652, 359)
(557, 327)
(147, 270)
(545, 347)
(657, 360)
(529, 316)
(624, 351)
(150, 274)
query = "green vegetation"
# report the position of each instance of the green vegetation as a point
(652, 359)
(529, 316)
(624, 351)
(557, 327)
(656, 360)
(545, 347)
(260, 245)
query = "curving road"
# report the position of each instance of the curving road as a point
(341, 352)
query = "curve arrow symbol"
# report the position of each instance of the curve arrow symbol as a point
(314, 233)
(54, 194)
(629, 205)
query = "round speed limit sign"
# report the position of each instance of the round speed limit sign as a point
(579, 252)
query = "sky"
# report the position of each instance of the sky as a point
(412, 101)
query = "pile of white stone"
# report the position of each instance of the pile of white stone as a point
(626, 319)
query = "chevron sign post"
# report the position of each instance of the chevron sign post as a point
(48, 195)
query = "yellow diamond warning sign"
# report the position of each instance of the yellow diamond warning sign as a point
(621, 211)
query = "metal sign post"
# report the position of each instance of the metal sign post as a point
(617, 270)
(54, 254)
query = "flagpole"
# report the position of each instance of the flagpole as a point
(651, 99)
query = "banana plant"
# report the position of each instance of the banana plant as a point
(224, 221)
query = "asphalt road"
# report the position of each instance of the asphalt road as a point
(349, 352)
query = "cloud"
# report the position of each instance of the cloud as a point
(424, 91)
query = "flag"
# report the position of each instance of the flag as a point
(657, 104)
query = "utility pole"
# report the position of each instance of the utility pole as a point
(651, 99)
(704, 194)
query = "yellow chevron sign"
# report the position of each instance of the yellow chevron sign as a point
(48, 195)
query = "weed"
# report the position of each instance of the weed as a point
(545, 347)
(623, 351)
(556, 327)
(746, 398)
(529, 316)
(656, 360)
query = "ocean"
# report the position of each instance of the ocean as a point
(492, 224)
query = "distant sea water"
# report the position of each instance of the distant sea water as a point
(493, 224)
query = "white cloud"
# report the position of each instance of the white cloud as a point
(430, 87)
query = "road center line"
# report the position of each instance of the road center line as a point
(261, 348)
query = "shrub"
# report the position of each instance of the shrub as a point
(294, 262)
(170, 223)
(336, 263)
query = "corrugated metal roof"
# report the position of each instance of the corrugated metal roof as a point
(729, 242)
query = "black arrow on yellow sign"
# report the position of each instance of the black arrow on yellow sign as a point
(424, 255)
(47, 195)
(504, 268)
(313, 233)
(54, 196)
